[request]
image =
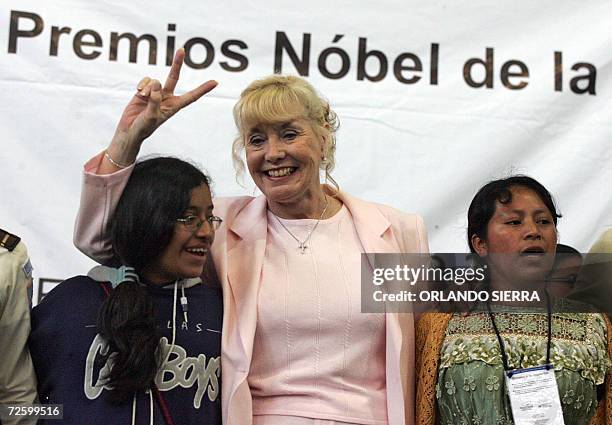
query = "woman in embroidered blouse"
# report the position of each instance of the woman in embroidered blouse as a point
(460, 372)
(296, 348)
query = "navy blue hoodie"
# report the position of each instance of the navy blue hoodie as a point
(67, 355)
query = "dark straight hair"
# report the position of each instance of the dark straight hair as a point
(157, 193)
(483, 205)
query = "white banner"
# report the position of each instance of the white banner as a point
(434, 100)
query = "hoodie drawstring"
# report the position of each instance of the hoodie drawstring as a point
(184, 307)
(150, 407)
(134, 409)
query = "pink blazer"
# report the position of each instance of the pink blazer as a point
(238, 253)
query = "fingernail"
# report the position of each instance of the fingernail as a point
(143, 93)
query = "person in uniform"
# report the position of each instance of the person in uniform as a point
(17, 378)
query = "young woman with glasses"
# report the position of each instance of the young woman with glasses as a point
(139, 342)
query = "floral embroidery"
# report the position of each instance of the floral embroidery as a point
(472, 338)
(450, 387)
(492, 383)
(568, 398)
(578, 402)
(576, 328)
(530, 327)
(470, 375)
(469, 384)
(503, 321)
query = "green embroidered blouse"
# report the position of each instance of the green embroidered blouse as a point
(471, 388)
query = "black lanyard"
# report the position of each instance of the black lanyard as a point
(501, 341)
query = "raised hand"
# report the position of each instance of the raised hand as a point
(150, 107)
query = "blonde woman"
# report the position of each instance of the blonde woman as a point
(296, 348)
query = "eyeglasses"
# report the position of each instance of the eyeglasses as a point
(193, 222)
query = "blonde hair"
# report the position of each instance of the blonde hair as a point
(279, 98)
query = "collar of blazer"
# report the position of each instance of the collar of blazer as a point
(250, 222)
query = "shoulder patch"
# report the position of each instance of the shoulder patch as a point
(27, 269)
(8, 240)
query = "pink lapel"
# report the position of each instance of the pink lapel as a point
(246, 246)
(375, 233)
(373, 228)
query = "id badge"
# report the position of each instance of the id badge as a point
(534, 396)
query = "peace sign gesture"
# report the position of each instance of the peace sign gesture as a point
(150, 107)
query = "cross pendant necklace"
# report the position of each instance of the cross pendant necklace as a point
(302, 246)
